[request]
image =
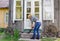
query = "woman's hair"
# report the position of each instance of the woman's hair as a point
(29, 15)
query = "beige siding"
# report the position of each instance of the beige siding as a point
(3, 11)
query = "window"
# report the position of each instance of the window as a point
(36, 9)
(6, 18)
(18, 13)
(18, 3)
(18, 10)
(28, 7)
(36, 3)
(27, 16)
(28, 3)
(28, 10)
(36, 6)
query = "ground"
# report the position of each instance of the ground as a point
(2, 35)
(58, 39)
(44, 39)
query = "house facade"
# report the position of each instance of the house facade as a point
(4, 11)
(20, 9)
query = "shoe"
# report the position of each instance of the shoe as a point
(37, 38)
(32, 38)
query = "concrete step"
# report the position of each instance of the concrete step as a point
(26, 35)
(25, 39)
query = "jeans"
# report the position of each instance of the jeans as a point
(36, 30)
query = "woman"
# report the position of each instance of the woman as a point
(36, 26)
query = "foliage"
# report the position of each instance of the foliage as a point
(14, 37)
(9, 34)
(50, 30)
(16, 34)
(1, 30)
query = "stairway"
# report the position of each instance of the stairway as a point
(26, 37)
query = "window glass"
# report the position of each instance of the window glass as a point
(6, 18)
(37, 15)
(19, 16)
(28, 3)
(27, 15)
(28, 10)
(37, 9)
(18, 3)
(18, 10)
(36, 3)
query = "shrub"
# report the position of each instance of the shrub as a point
(1, 30)
(16, 34)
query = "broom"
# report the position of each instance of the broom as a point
(30, 30)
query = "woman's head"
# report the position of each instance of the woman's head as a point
(29, 16)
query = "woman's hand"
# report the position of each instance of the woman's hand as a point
(32, 26)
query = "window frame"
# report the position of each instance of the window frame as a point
(6, 20)
(21, 12)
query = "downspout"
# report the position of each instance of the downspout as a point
(42, 15)
(58, 13)
(23, 15)
(23, 10)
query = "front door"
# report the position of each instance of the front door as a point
(33, 7)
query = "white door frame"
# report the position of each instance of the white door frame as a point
(32, 12)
